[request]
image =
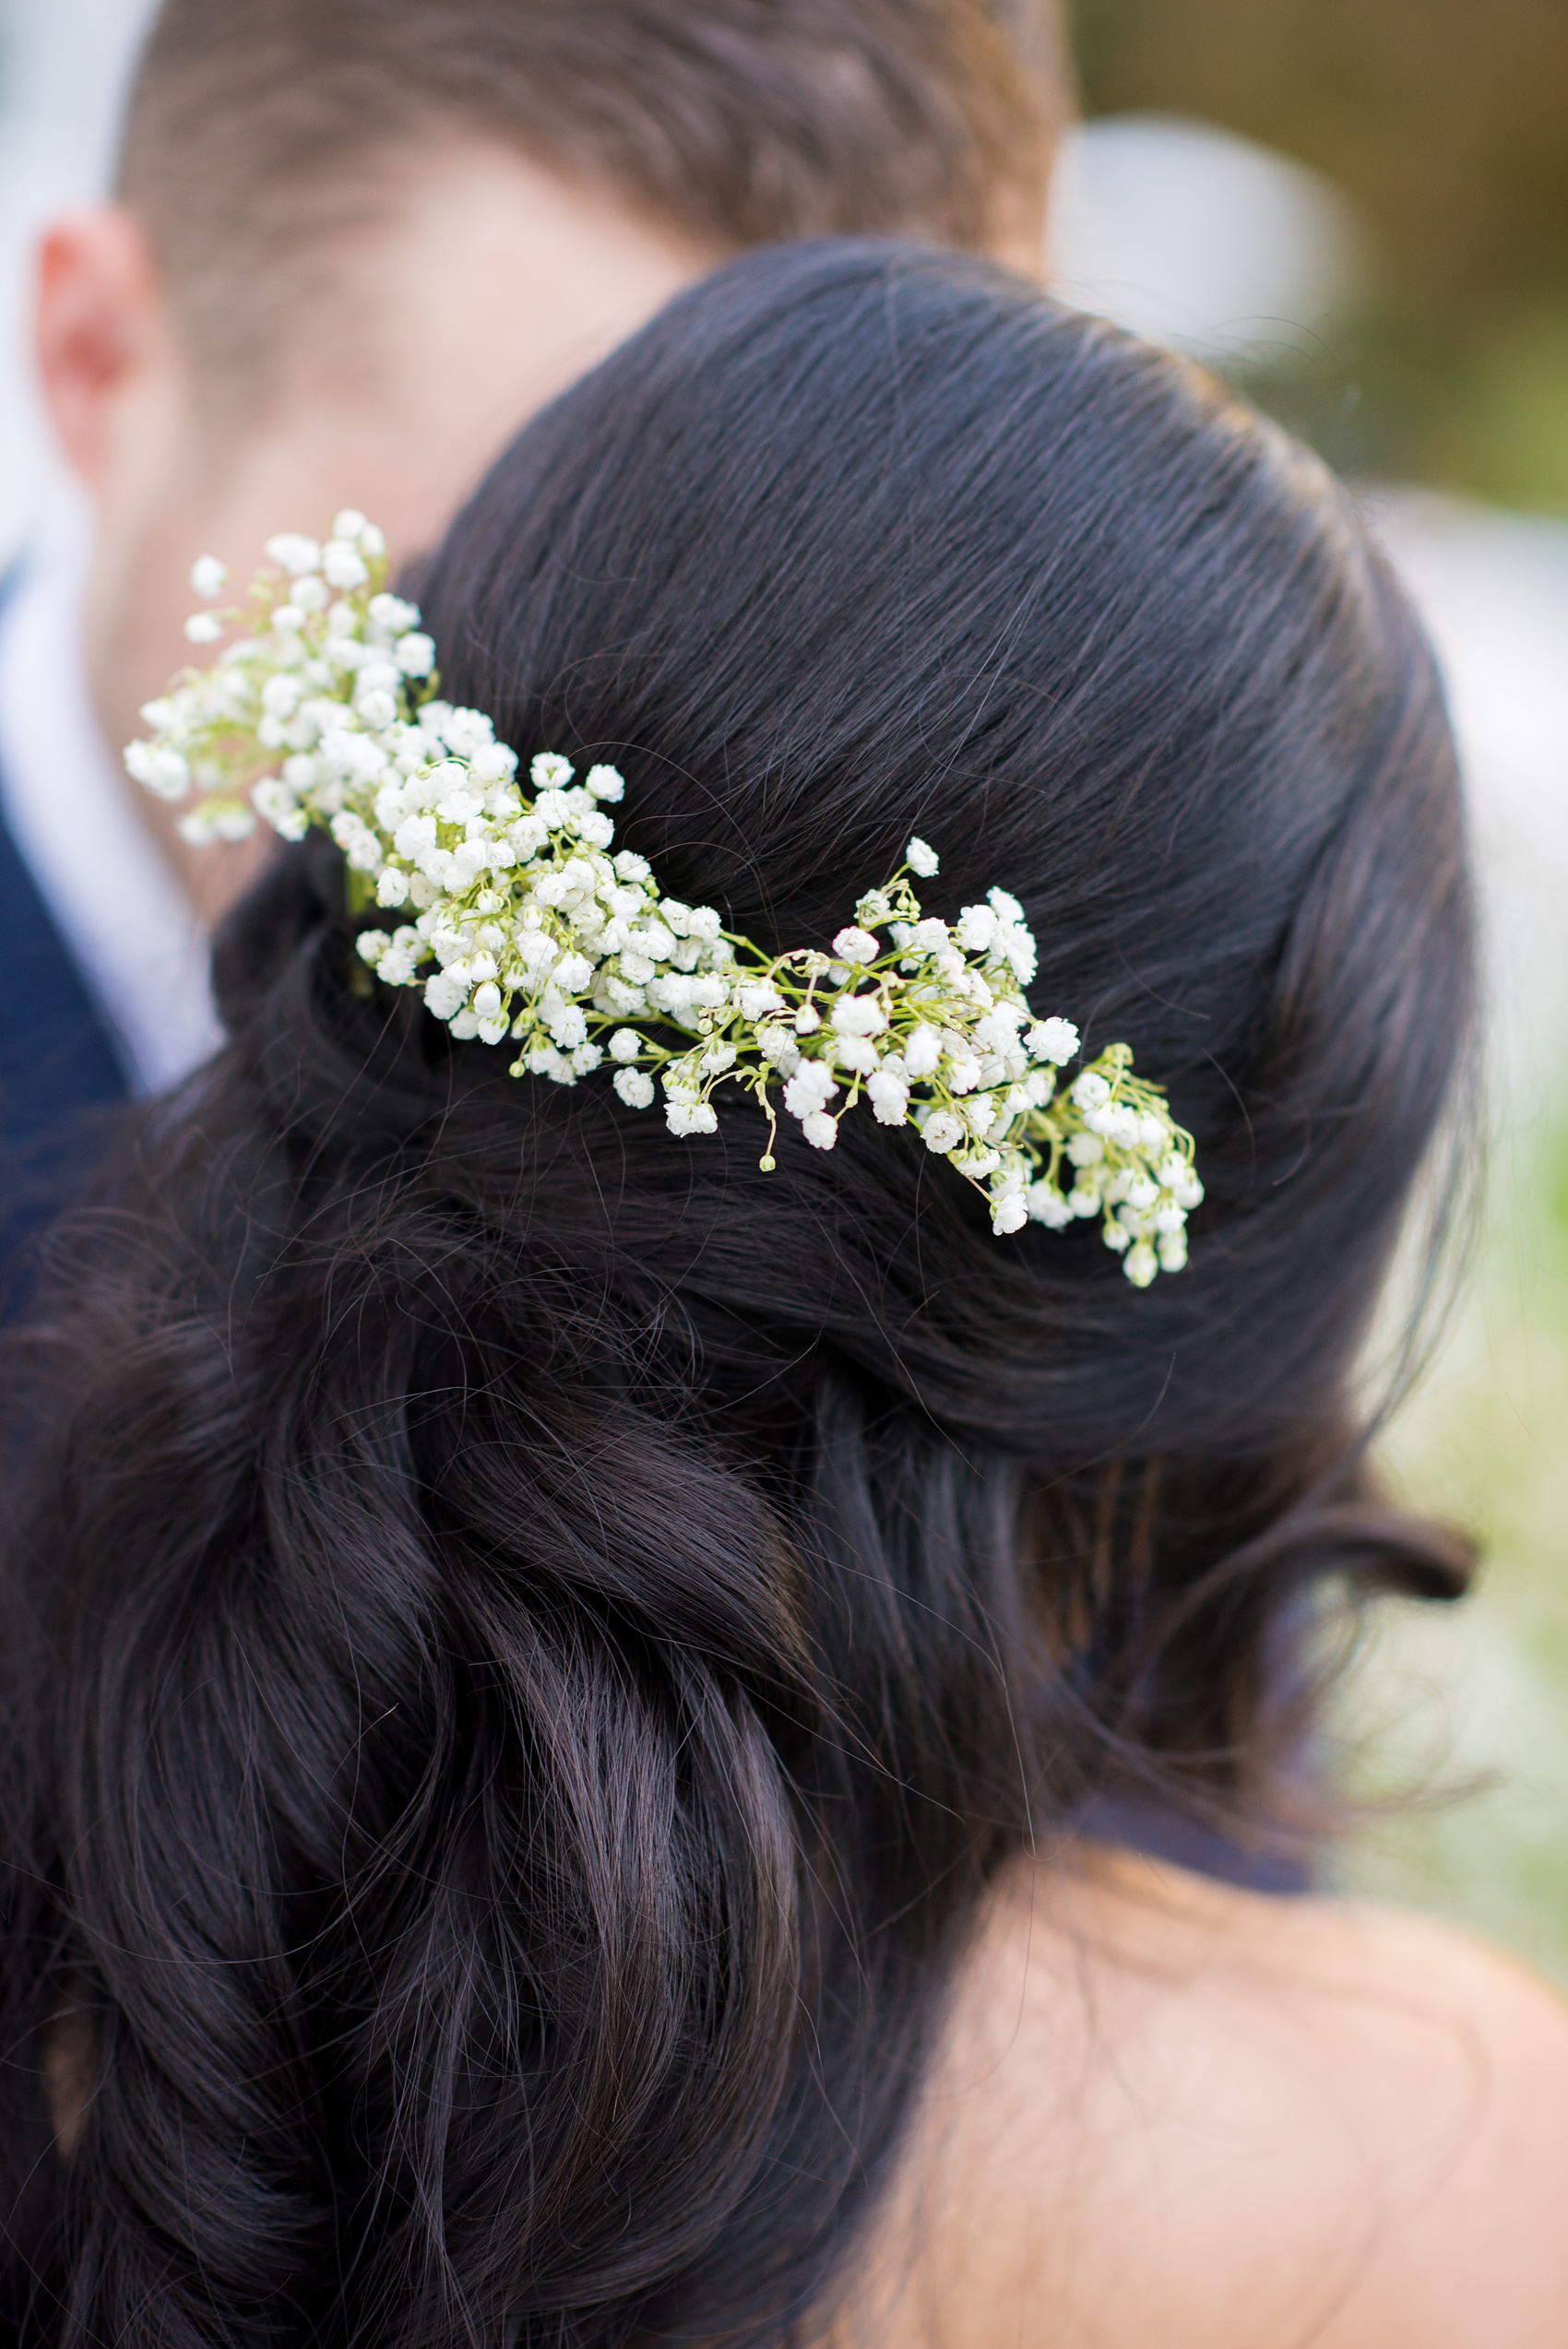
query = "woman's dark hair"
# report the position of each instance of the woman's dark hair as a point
(527, 1639)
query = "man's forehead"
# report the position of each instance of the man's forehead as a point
(260, 141)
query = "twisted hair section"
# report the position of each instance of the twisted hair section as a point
(526, 1646)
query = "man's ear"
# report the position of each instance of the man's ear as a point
(101, 326)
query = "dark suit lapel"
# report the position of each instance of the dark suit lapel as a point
(60, 1076)
(56, 1057)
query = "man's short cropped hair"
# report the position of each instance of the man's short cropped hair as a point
(263, 134)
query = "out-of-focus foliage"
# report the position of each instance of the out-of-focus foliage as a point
(1467, 1703)
(1447, 120)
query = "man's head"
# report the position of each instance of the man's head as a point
(358, 242)
(265, 145)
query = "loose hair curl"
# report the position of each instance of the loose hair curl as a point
(527, 1639)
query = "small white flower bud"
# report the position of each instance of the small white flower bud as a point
(856, 946)
(756, 1002)
(858, 1016)
(293, 553)
(160, 769)
(1017, 950)
(976, 928)
(690, 1116)
(921, 860)
(343, 566)
(1047, 1206)
(445, 992)
(415, 654)
(209, 577)
(203, 628)
(573, 972)
(1141, 1265)
(1052, 1039)
(349, 523)
(465, 731)
(811, 1088)
(997, 1032)
(889, 1097)
(941, 1131)
(923, 1051)
(568, 1026)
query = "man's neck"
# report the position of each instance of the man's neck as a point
(135, 938)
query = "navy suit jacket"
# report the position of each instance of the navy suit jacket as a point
(59, 1069)
(56, 1056)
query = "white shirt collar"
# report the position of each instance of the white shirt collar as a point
(128, 923)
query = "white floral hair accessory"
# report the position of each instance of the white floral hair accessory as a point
(526, 928)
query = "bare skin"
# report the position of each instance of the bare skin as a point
(1173, 2116)
(491, 286)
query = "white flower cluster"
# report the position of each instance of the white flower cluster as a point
(524, 926)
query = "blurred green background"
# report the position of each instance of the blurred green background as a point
(1445, 124)
(1470, 1703)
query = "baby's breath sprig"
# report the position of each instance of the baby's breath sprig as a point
(526, 928)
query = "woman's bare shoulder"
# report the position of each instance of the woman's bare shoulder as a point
(1169, 2113)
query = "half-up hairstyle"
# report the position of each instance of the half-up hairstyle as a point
(526, 1639)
